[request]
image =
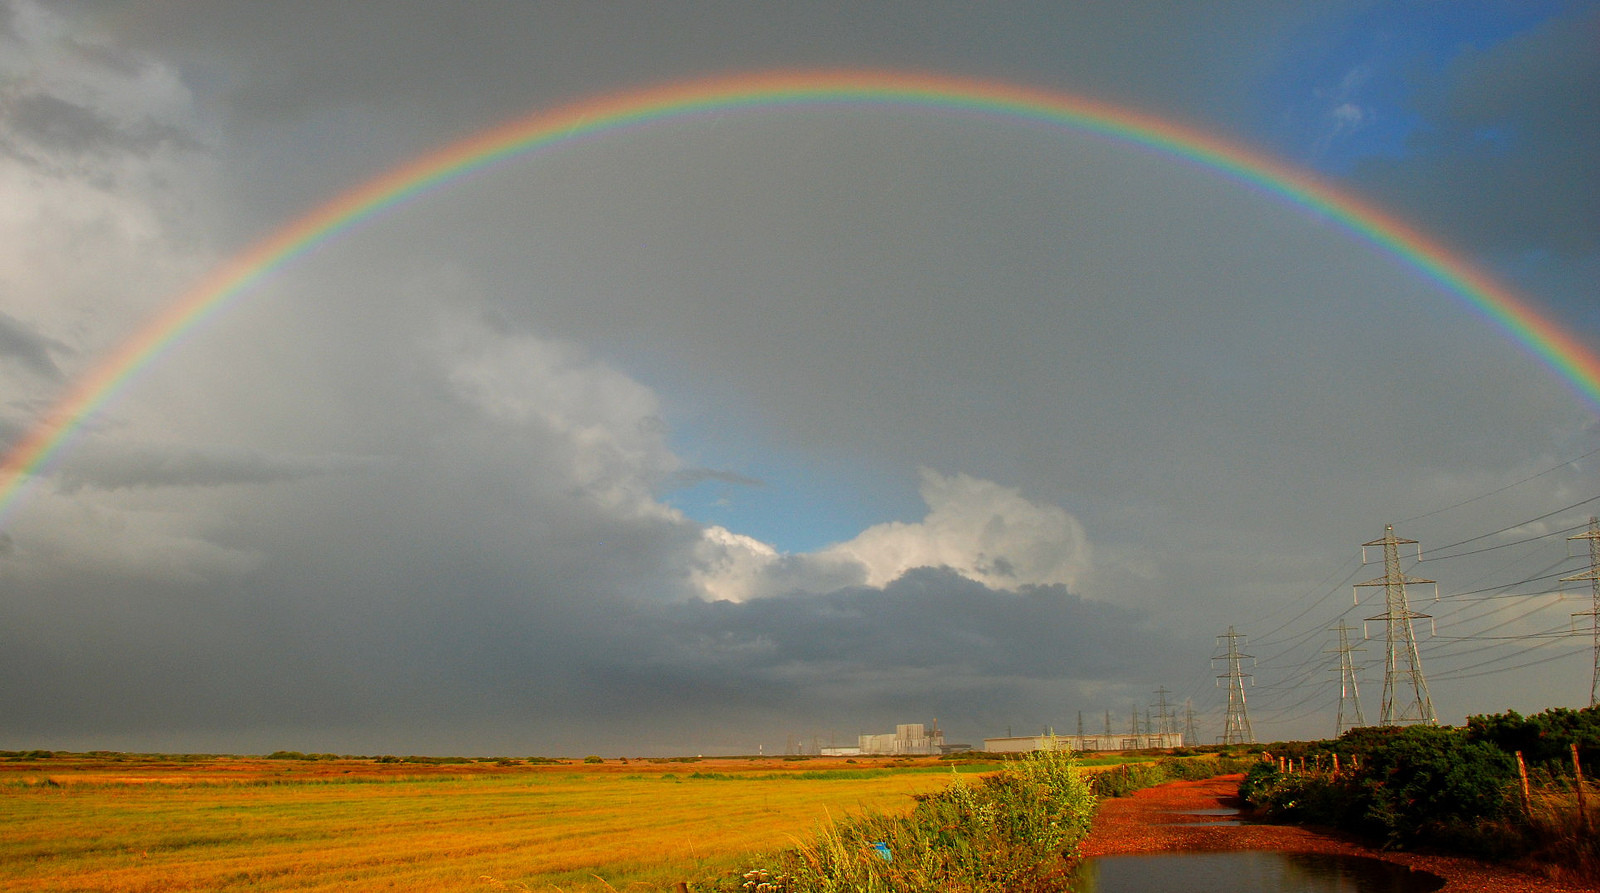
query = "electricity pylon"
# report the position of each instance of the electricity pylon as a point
(1236, 727)
(1593, 576)
(1164, 724)
(1400, 637)
(1349, 692)
(1190, 736)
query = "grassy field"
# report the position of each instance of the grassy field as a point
(87, 823)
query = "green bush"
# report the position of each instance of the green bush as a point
(1432, 784)
(1414, 785)
(1545, 739)
(1011, 832)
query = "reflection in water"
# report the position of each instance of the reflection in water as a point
(1250, 871)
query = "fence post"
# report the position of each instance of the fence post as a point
(1335, 765)
(1583, 810)
(1522, 770)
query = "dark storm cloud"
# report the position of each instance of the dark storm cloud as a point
(1503, 158)
(148, 465)
(437, 641)
(928, 619)
(28, 347)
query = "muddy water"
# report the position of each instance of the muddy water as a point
(1248, 871)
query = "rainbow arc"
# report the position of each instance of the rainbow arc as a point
(1558, 349)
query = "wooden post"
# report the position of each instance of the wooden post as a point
(1522, 770)
(1335, 765)
(1583, 809)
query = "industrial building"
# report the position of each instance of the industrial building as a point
(909, 739)
(1084, 743)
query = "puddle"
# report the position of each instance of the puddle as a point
(1229, 817)
(1250, 871)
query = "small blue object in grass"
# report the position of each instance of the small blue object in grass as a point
(882, 849)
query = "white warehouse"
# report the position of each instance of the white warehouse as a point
(1083, 743)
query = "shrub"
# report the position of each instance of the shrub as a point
(1010, 831)
(1545, 739)
(1435, 784)
(593, 758)
(1419, 784)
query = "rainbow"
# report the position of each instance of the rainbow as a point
(983, 99)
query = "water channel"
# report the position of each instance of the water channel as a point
(1249, 871)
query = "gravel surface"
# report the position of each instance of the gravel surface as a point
(1161, 819)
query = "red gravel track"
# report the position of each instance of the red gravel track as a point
(1153, 821)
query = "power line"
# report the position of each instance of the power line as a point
(1499, 489)
(1503, 545)
(1522, 523)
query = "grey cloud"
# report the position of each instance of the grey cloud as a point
(135, 466)
(1504, 156)
(28, 347)
(439, 651)
(928, 619)
(41, 126)
(688, 477)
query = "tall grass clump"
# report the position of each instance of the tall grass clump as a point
(1015, 831)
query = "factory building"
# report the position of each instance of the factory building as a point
(1084, 743)
(909, 739)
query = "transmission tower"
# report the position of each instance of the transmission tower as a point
(1236, 728)
(1164, 723)
(1593, 576)
(1349, 692)
(1190, 736)
(1400, 637)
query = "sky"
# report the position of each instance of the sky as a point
(745, 429)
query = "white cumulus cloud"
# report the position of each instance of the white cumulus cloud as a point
(984, 531)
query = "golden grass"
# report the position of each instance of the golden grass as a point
(84, 824)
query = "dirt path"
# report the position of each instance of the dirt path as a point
(1154, 821)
